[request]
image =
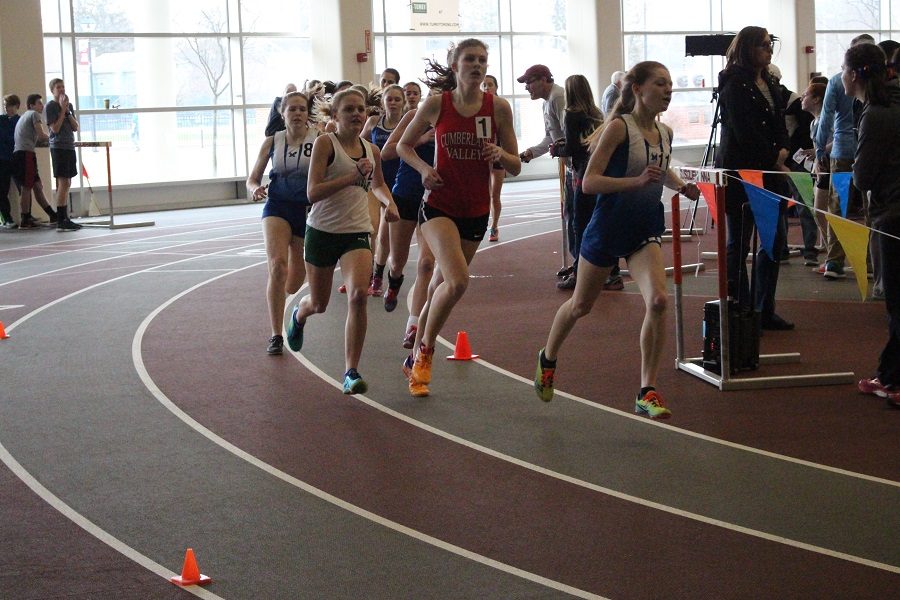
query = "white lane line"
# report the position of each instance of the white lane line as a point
(135, 253)
(99, 245)
(104, 235)
(302, 485)
(616, 494)
(57, 503)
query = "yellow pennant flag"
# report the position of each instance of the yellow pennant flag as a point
(855, 240)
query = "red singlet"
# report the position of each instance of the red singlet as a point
(467, 189)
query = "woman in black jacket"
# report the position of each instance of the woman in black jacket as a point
(753, 137)
(876, 169)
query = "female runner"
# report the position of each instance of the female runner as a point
(377, 130)
(627, 168)
(489, 85)
(472, 131)
(342, 169)
(284, 214)
(408, 192)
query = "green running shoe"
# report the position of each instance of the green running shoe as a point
(652, 405)
(353, 383)
(295, 331)
(543, 379)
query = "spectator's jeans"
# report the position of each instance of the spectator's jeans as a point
(889, 252)
(569, 215)
(835, 250)
(740, 224)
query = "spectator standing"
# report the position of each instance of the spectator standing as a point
(8, 121)
(753, 137)
(539, 84)
(582, 118)
(876, 169)
(30, 134)
(611, 93)
(837, 126)
(60, 117)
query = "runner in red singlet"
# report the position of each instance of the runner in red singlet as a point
(472, 131)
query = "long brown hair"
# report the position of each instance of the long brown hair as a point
(580, 98)
(442, 77)
(743, 47)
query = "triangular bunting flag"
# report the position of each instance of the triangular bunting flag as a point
(84, 172)
(804, 184)
(750, 176)
(709, 194)
(855, 240)
(841, 183)
(764, 205)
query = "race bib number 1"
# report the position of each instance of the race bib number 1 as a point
(483, 127)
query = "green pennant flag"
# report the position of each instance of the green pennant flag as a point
(804, 184)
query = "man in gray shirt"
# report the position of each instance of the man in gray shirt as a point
(30, 134)
(539, 84)
(60, 117)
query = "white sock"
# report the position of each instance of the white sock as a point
(411, 321)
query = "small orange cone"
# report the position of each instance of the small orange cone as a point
(190, 572)
(3, 334)
(462, 351)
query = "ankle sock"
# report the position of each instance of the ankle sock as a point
(379, 271)
(546, 363)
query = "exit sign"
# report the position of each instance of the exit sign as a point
(420, 7)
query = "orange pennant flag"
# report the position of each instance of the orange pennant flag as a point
(855, 240)
(709, 194)
(752, 177)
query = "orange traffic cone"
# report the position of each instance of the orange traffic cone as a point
(3, 334)
(190, 572)
(462, 351)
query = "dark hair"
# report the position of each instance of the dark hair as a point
(637, 75)
(819, 79)
(415, 84)
(393, 72)
(438, 76)
(743, 47)
(868, 62)
(12, 100)
(289, 95)
(341, 84)
(889, 47)
(32, 100)
(53, 82)
(863, 37)
(816, 90)
(496, 83)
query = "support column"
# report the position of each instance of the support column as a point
(338, 29)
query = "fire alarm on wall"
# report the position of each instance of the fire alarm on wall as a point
(362, 57)
(810, 49)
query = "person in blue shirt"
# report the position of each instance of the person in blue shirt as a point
(837, 125)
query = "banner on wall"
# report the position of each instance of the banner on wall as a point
(434, 16)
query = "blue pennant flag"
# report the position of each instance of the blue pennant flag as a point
(841, 183)
(764, 205)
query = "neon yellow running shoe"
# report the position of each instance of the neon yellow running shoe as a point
(543, 379)
(652, 405)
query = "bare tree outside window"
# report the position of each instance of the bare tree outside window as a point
(209, 56)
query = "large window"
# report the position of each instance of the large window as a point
(838, 22)
(187, 84)
(519, 33)
(656, 30)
